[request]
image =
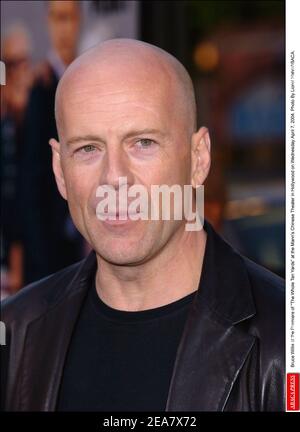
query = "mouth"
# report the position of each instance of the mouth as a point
(117, 218)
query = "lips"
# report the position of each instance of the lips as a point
(118, 216)
(115, 224)
(123, 216)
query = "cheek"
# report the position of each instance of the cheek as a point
(182, 168)
(80, 185)
(173, 170)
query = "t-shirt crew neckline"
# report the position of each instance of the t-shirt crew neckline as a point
(136, 316)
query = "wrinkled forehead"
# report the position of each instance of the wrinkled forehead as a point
(112, 78)
(117, 87)
(119, 72)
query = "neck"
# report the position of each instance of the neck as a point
(174, 273)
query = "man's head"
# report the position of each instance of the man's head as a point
(64, 24)
(126, 109)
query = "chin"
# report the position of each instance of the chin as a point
(128, 245)
(122, 256)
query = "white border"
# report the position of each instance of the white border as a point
(292, 298)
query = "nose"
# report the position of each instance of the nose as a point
(116, 164)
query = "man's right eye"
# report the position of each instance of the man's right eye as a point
(87, 148)
(85, 152)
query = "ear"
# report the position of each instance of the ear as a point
(57, 168)
(200, 156)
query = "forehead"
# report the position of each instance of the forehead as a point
(114, 97)
(66, 6)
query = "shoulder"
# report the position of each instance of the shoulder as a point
(268, 325)
(264, 369)
(43, 75)
(268, 291)
(34, 299)
(44, 84)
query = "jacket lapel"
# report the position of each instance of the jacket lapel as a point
(46, 344)
(213, 349)
(208, 361)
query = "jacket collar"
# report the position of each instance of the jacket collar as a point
(224, 285)
(213, 349)
(210, 355)
(46, 343)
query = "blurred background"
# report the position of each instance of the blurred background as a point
(235, 54)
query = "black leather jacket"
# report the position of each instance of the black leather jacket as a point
(230, 357)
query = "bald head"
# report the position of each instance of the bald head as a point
(128, 62)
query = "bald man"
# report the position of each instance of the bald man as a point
(157, 317)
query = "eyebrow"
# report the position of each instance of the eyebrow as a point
(97, 138)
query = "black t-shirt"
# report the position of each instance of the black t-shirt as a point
(120, 360)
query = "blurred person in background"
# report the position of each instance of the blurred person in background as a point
(16, 54)
(50, 238)
(216, 200)
(216, 194)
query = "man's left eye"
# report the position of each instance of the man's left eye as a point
(88, 148)
(145, 143)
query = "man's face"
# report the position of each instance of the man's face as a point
(131, 130)
(64, 21)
